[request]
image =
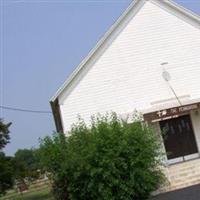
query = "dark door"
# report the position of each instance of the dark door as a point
(178, 137)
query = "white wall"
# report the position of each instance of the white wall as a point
(128, 75)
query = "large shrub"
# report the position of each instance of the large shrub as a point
(109, 160)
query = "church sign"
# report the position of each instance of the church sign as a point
(170, 112)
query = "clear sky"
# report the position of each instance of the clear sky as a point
(41, 43)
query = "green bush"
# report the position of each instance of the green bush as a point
(109, 160)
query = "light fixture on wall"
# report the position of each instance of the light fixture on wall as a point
(165, 73)
(167, 77)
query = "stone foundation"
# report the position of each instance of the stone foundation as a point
(181, 175)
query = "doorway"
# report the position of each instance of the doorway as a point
(179, 139)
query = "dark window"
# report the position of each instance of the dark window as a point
(179, 137)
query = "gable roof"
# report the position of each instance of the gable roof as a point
(107, 39)
(134, 7)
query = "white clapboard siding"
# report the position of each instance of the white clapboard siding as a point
(128, 75)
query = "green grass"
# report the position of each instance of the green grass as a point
(42, 194)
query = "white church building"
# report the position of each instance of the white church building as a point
(148, 61)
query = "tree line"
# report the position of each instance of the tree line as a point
(24, 165)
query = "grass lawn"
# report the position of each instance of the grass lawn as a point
(42, 194)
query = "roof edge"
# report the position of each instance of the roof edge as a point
(97, 46)
(185, 13)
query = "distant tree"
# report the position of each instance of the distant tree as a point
(6, 167)
(26, 164)
(4, 134)
(6, 173)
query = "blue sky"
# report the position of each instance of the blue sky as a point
(41, 43)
